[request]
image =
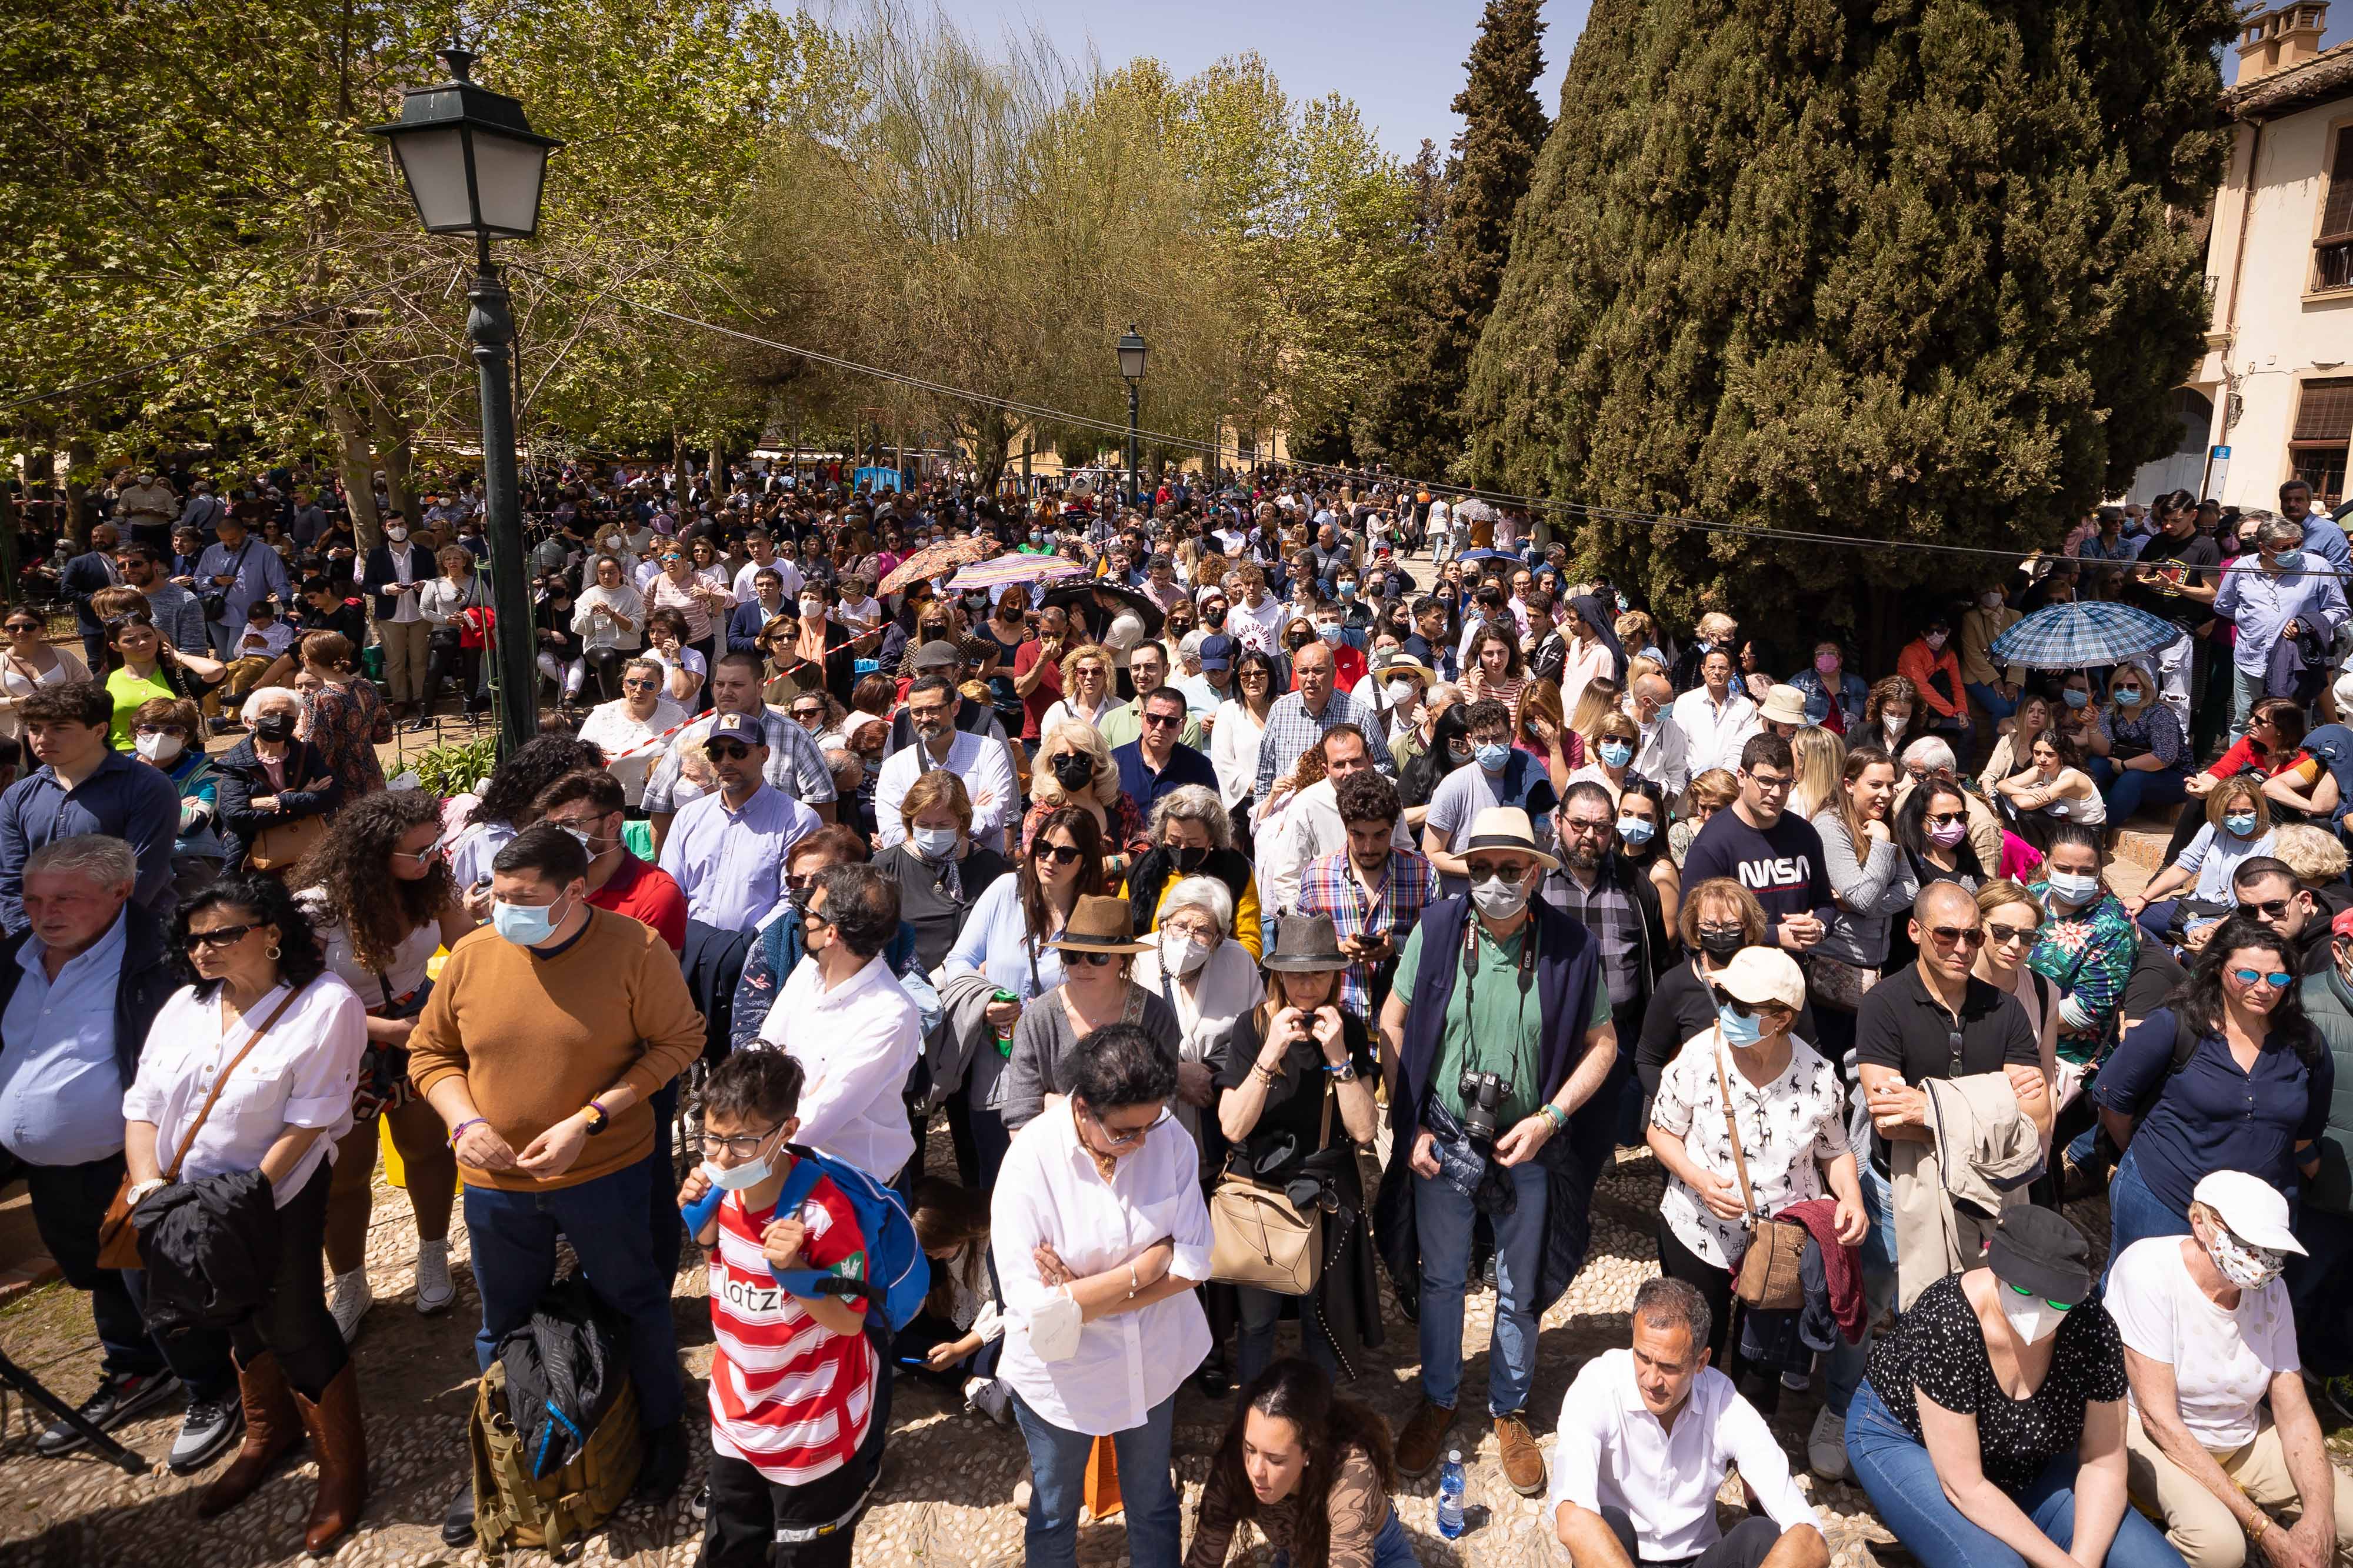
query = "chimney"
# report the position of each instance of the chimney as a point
(2278, 39)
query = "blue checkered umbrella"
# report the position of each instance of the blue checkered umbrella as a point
(2082, 634)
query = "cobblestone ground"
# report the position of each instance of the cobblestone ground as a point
(948, 1483)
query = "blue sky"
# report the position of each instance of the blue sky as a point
(1402, 60)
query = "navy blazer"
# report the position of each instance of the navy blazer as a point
(384, 607)
(83, 575)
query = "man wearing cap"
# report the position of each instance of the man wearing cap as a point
(1147, 667)
(2208, 1337)
(1206, 692)
(795, 763)
(1495, 1034)
(982, 765)
(944, 658)
(1647, 1435)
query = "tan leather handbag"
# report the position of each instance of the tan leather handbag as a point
(1259, 1237)
(1768, 1278)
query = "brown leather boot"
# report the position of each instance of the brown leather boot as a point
(341, 1443)
(1418, 1445)
(272, 1427)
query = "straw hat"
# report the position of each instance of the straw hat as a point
(1100, 924)
(1505, 828)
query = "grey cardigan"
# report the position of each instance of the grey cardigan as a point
(1043, 1044)
(1870, 894)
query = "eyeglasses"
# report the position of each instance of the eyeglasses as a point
(2270, 908)
(222, 936)
(2276, 979)
(1133, 1136)
(1093, 960)
(1060, 854)
(743, 1146)
(1163, 720)
(1487, 870)
(1767, 784)
(1957, 936)
(2002, 935)
(2054, 1306)
(734, 750)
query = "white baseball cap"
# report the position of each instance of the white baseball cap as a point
(2251, 1207)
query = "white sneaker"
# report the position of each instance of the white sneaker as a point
(434, 1289)
(1826, 1446)
(991, 1398)
(349, 1298)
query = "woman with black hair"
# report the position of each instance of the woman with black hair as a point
(2230, 1075)
(1642, 841)
(271, 1042)
(504, 806)
(1313, 1471)
(1448, 749)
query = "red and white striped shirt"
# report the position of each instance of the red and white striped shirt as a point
(788, 1396)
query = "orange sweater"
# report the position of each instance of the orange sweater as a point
(537, 1039)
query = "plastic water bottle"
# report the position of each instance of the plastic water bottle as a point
(1449, 1495)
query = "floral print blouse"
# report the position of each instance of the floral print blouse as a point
(343, 724)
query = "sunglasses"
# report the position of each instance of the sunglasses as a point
(640, 684)
(1093, 960)
(2270, 908)
(1957, 936)
(1747, 1009)
(2054, 1306)
(2002, 935)
(222, 936)
(1163, 720)
(1947, 818)
(1060, 854)
(2276, 979)
(425, 854)
(1487, 870)
(806, 714)
(734, 750)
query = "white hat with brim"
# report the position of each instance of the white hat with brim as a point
(1759, 975)
(1505, 828)
(2251, 1207)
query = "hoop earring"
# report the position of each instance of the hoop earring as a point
(273, 953)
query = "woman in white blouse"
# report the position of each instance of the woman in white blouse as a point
(1100, 1234)
(1086, 688)
(610, 617)
(28, 662)
(1235, 736)
(1786, 1101)
(257, 979)
(1207, 978)
(624, 729)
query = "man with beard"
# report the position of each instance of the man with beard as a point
(1619, 905)
(981, 763)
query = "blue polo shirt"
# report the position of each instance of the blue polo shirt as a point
(2209, 1116)
(1185, 767)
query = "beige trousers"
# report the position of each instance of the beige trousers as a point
(2194, 1519)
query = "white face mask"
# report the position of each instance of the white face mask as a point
(159, 747)
(1499, 899)
(1400, 692)
(2034, 1319)
(737, 1178)
(1182, 954)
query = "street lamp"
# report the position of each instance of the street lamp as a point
(1132, 353)
(474, 166)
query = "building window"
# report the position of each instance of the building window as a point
(2332, 252)
(2323, 425)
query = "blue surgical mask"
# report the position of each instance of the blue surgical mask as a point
(2074, 888)
(1348, 590)
(1329, 631)
(1492, 756)
(1617, 753)
(1739, 1031)
(2242, 823)
(2288, 560)
(525, 925)
(1636, 831)
(2129, 697)
(2076, 698)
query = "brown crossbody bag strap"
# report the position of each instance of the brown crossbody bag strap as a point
(1768, 1276)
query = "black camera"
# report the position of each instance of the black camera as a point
(1483, 1094)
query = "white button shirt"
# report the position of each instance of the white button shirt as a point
(1716, 733)
(1664, 754)
(981, 763)
(1048, 1190)
(1613, 1453)
(857, 1042)
(301, 1074)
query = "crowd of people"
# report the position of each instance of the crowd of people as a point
(1278, 933)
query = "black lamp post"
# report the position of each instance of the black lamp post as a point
(1132, 353)
(475, 166)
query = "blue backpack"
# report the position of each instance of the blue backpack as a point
(898, 1275)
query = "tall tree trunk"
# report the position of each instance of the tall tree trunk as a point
(81, 459)
(718, 467)
(394, 453)
(354, 459)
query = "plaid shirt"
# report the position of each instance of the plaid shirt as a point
(1290, 729)
(1329, 887)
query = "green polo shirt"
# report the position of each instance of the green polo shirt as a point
(1124, 723)
(1507, 1037)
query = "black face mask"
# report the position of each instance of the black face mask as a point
(1722, 942)
(275, 728)
(1074, 771)
(1213, 619)
(1191, 859)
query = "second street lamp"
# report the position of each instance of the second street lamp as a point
(474, 166)
(1131, 352)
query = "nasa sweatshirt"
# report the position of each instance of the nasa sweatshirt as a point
(1782, 864)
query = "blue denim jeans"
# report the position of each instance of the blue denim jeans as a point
(2126, 790)
(1392, 1548)
(1057, 1480)
(1899, 1478)
(2134, 1214)
(1443, 1219)
(514, 1236)
(1845, 1371)
(2246, 690)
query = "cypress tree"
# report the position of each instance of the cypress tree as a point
(1503, 128)
(1915, 269)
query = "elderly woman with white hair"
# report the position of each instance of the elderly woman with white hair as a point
(1208, 978)
(1073, 767)
(1193, 836)
(275, 788)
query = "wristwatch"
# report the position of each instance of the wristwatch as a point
(1346, 1072)
(599, 1120)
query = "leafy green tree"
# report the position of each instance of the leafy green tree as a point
(1915, 270)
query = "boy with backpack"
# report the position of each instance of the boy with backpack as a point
(797, 1418)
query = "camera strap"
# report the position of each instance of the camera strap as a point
(1528, 974)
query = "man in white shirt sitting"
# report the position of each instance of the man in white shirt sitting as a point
(850, 1024)
(979, 760)
(2208, 1334)
(1646, 1434)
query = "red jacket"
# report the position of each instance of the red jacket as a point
(1917, 664)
